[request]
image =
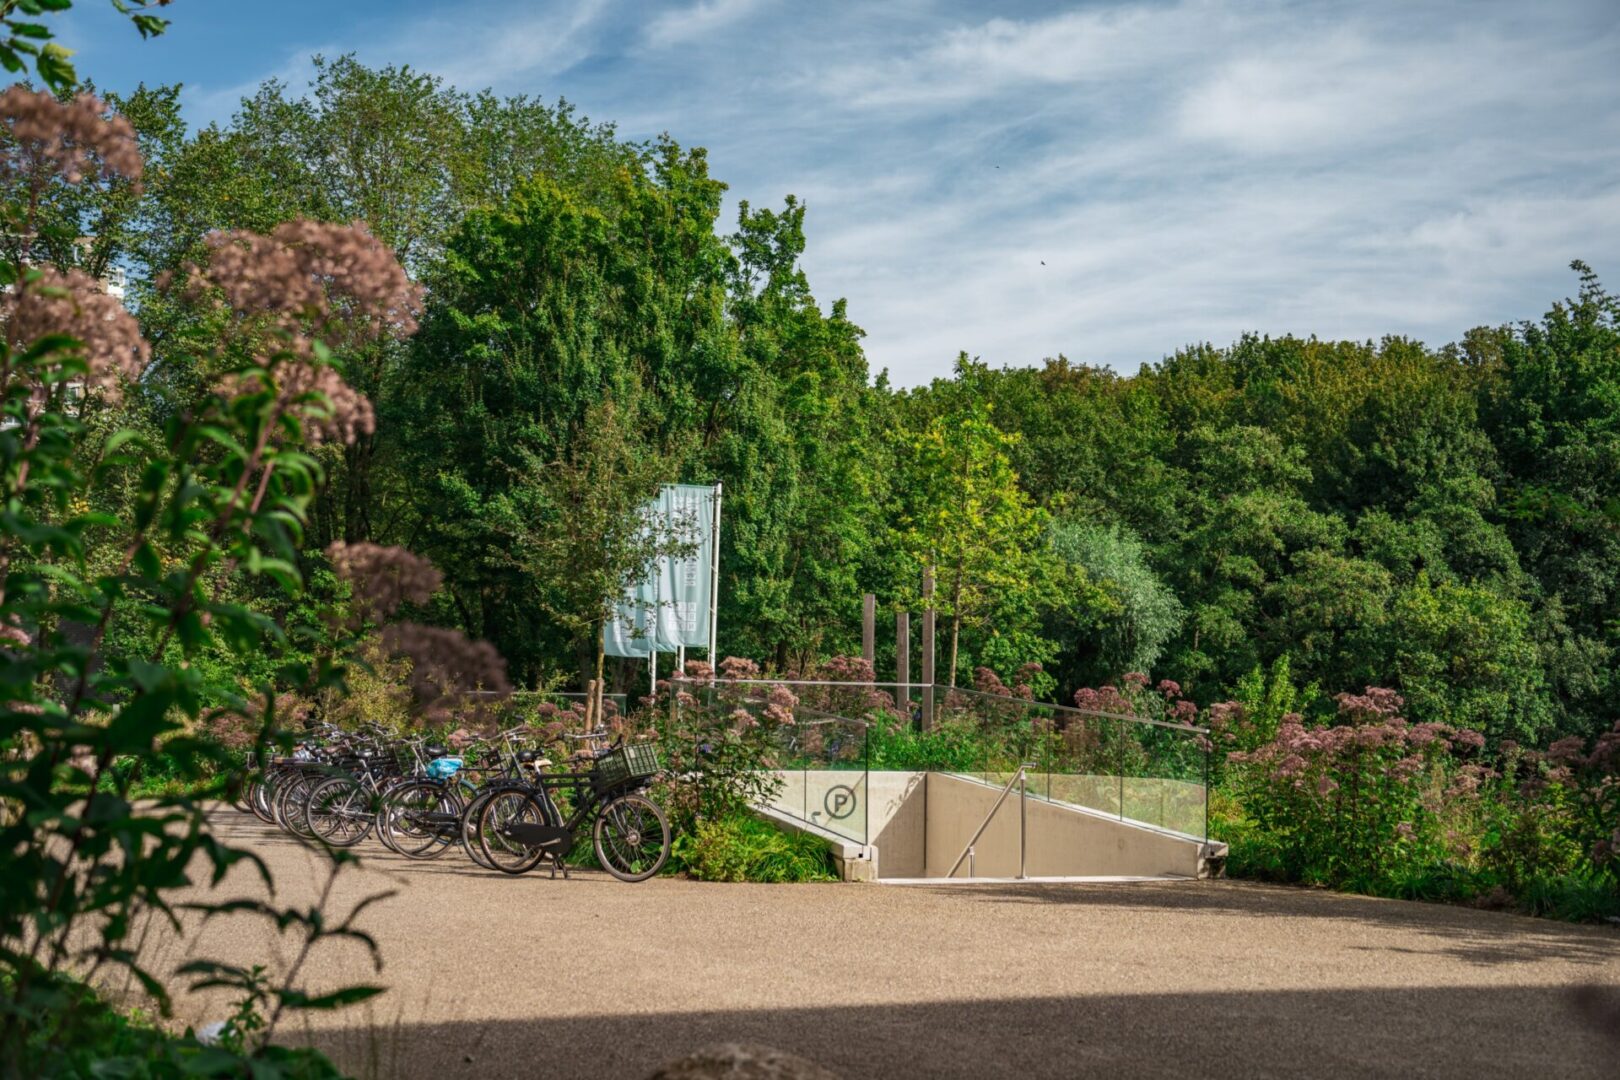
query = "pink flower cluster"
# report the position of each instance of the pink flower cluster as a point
(382, 577)
(73, 303)
(315, 279)
(779, 705)
(51, 138)
(735, 667)
(1368, 724)
(986, 681)
(331, 410)
(307, 282)
(1106, 699)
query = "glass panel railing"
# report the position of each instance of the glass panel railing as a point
(818, 759)
(829, 755)
(1131, 768)
(1164, 781)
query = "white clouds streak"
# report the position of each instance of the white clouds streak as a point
(701, 20)
(1185, 169)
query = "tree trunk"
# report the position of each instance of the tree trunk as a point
(956, 621)
(600, 662)
(956, 634)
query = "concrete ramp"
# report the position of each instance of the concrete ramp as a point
(914, 825)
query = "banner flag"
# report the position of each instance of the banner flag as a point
(685, 585)
(672, 608)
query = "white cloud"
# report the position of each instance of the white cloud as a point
(1187, 170)
(701, 20)
(1093, 45)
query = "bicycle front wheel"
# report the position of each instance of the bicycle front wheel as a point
(632, 838)
(339, 812)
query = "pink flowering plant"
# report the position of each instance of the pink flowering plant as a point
(126, 556)
(1356, 801)
(720, 739)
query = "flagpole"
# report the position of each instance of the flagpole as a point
(714, 584)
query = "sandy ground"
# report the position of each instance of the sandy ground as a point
(492, 976)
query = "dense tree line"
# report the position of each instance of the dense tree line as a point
(1326, 515)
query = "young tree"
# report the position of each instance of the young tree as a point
(965, 519)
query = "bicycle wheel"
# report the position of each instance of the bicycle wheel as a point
(339, 812)
(259, 802)
(418, 817)
(286, 801)
(468, 832)
(632, 838)
(295, 808)
(504, 809)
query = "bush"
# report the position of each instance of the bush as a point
(1376, 805)
(77, 1034)
(741, 847)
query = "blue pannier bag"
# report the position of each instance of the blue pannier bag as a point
(444, 768)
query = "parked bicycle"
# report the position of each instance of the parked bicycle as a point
(521, 827)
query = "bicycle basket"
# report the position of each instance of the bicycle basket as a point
(624, 764)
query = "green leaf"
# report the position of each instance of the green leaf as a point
(150, 26)
(349, 995)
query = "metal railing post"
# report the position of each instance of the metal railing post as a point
(1023, 823)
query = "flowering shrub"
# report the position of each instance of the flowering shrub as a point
(718, 743)
(1349, 803)
(213, 504)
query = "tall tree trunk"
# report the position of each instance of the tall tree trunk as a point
(600, 661)
(956, 621)
(956, 634)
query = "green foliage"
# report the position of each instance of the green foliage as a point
(78, 1035)
(965, 519)
(1138, 615)
(741, 847)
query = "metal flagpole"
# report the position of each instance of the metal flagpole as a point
(652, 668)
(714, 583)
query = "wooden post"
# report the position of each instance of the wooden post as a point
(902, 662)
(869, 629)
(928, 650)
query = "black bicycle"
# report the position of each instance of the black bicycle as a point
(520, 827)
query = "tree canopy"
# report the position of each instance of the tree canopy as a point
(1441, 520)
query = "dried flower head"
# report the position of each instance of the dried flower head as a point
(382, 577)
(446, 668)
(50, 301)
(66, 139)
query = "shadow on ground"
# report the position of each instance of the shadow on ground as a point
(1467, 1032)
(1486, 938)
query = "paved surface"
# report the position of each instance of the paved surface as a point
(525, 977)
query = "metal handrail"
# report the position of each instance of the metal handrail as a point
(1023, 848)
(1072, 710)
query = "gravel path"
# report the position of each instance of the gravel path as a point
(492, 976)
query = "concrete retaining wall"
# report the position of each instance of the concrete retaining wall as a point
(914, 824)
(1062, 841)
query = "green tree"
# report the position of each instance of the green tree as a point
(964, 518)
(551, 320)
(1129, 626)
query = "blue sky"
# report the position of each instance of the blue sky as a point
(1107, 180)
